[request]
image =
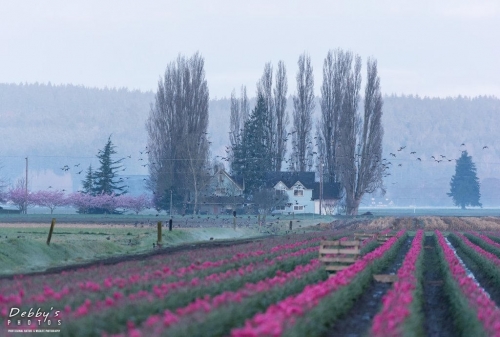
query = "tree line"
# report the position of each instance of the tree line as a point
(347, 144)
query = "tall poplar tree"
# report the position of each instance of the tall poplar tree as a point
(177, 129)
(303, 107)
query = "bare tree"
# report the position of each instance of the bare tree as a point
(3, 185)
(280, 91)
(244, 106)
(235, 124)
(177, 125)
(264, 89)
(328, 130)
(359, 147)
(238, 116)
(303, 107)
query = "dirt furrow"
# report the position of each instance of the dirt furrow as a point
(358, 319)
(438, 316)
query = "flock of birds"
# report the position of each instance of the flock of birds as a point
(437, 159)
(386, 163)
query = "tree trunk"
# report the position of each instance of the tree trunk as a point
(352, 206)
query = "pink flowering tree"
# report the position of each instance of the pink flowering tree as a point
(19, 196)
(50, 199)
(136, 204)
(82, 201)
(105, 203)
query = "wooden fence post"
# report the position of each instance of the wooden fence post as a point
(51, 230)
(170, 225)
(159, 233)
(291, 224)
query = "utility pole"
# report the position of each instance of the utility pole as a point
(320, 185)
(170, 203)
(26, 190)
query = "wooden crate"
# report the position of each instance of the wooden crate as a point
(386, 278)
(337, 255)
(364, 236)
(385, 237)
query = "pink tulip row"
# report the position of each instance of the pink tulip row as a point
(121, 282)
(486, 239)
(155, 325)
(160, 291)
(487, 312)
(282, 315)
(492, 257)
(396, 303)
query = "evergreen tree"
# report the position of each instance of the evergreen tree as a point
(252, 157)
(88, 183)
(465, 183)
(105, 178)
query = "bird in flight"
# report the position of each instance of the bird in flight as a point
(419, 159)
(392, 154)
(412, 152)
(485, 147)
(401, 148)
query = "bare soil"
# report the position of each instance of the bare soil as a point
(358, 320)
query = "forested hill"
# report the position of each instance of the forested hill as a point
(58, 125)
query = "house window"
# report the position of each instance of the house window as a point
(221, 190)
(298, 208)
(280, 192)
(298, 193)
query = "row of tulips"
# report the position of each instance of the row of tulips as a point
(116, 308)
(280, 318)
(28, 295)
(164, 289)
(215, 316)
(476, 249)
(484, 242)
(171, 323)
(476, 313)
(397, 302)
(112, 314)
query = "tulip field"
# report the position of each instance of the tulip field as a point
(445, 282)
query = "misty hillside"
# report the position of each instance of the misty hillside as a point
(59, 125)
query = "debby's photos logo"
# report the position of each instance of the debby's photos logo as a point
(34, 318)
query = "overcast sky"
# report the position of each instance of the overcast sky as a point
(426, 47)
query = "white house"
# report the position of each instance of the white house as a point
(299, 188)
(303, 192)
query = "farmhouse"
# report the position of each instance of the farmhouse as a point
(223, 194)
(303, 192)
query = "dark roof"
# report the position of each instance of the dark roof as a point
(330, 191)
(290, 178)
